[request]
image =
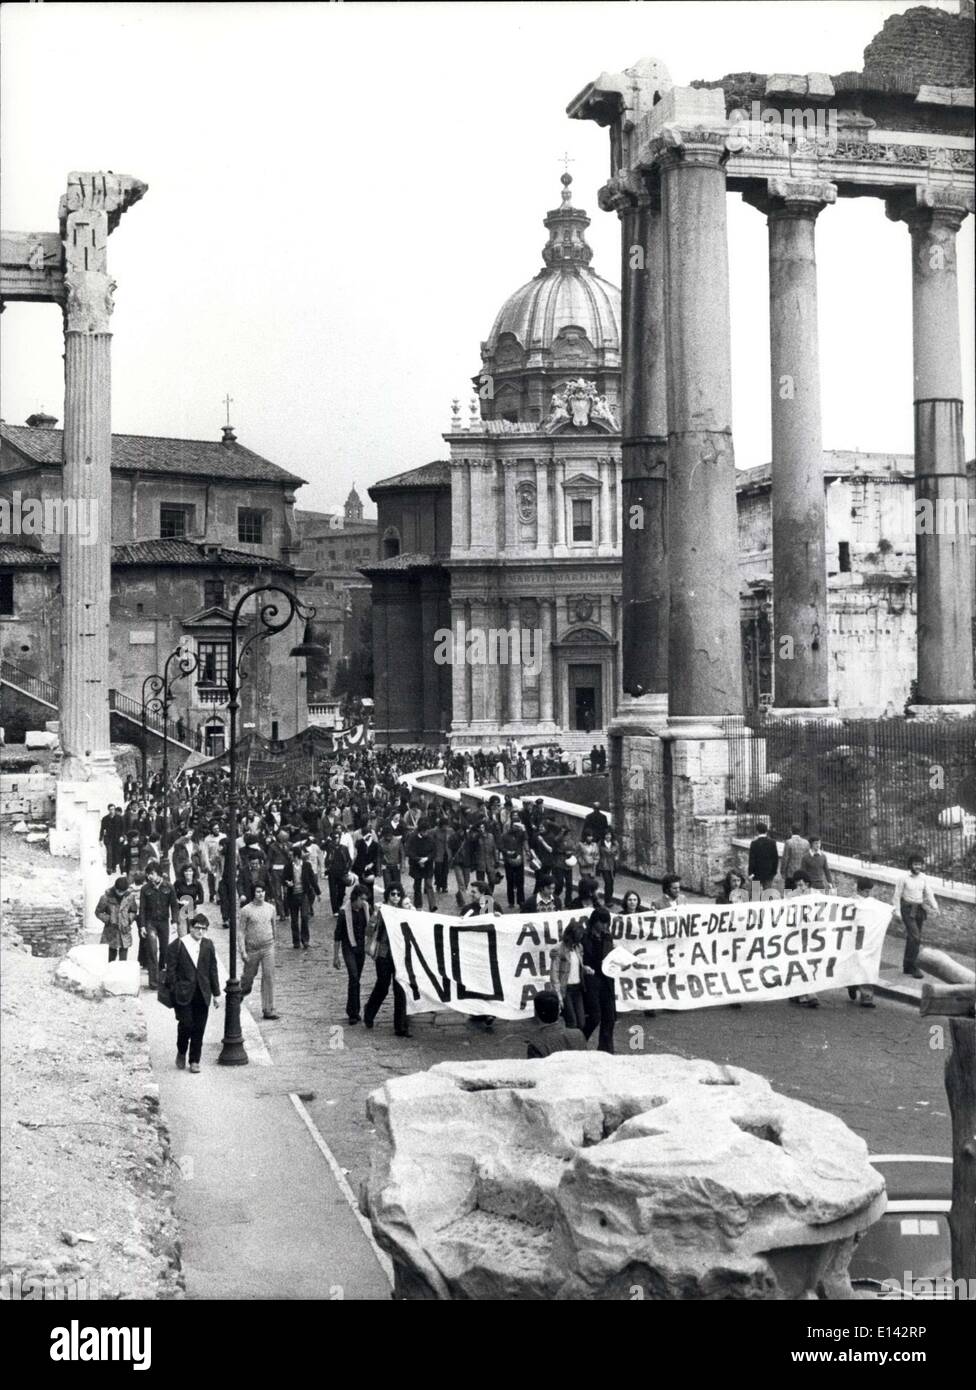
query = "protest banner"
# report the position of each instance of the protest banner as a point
(691, 957)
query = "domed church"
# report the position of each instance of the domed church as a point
(517, 611)
(535, 492)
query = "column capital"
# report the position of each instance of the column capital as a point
(629, 190)
(688, 147)
(89, 211)
(947, 205)
(784, 198)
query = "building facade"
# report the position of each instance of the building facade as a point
(411, 605)
(195, 524)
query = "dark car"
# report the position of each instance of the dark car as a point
(906, 1253)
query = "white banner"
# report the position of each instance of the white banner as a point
(688, 958)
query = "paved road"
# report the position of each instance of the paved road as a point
(877, 1070)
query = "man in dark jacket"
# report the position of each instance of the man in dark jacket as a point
(544, 898)
(513, 843)
(158, 907)
(365, 861)
(352, 921)
(191, 973)
(596, 822)
(111, 833)
(338, 862)
(550, 1033)
(763, 857)
(420, 848)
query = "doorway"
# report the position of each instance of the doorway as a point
(213, 740)
(585, 697)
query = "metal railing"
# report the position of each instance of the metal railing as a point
(874, 789)
(120, 703)
(31, 685)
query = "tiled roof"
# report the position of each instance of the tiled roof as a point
(13, 553)
(189, 553)
(150, 454)
(436, 474)
(398, 564)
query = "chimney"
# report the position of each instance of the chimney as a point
(229, 437)
(41, 421)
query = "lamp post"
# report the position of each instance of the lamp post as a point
(157, 694)
(270, 620)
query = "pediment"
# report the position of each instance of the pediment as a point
(209, 617)
(582, 482)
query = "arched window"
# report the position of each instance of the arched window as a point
(391, 543)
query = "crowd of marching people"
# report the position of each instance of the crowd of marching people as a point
(359, 838)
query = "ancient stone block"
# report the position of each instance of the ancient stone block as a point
(585, 1176)
(786, 84)
(819, 84)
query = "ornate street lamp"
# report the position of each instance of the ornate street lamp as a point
(269, 621)
(157, 695)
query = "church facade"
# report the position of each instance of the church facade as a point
(531, 570)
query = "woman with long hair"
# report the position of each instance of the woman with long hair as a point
(378, 946)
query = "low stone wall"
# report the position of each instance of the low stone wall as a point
(49, 929)
(954, 929)
(583, 791)
(27, 795)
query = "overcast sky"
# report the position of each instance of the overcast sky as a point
(341, 197)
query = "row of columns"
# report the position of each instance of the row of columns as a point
(680, 541)
(475, 512)
(481, 690)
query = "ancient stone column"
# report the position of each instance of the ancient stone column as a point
(515, 667)
(90, 209)
(704, 648)
(798, 499)
(942, 542)
(644, 443)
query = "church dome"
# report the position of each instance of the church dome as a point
(565, 321)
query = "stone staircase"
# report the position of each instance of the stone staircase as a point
(121, 705)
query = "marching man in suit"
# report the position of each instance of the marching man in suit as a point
(191, 974)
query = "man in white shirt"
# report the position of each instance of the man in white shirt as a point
(258, 949)
(913, 895)
(793, 851)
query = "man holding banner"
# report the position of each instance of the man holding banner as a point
(681, 956)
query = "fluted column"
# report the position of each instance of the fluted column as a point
(515, 667)
(942, 541)
(704, 656)
(546, 658)
(798, 500)
(92, 206)
(644, 441)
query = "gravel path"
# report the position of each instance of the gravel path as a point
(87, 1181)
